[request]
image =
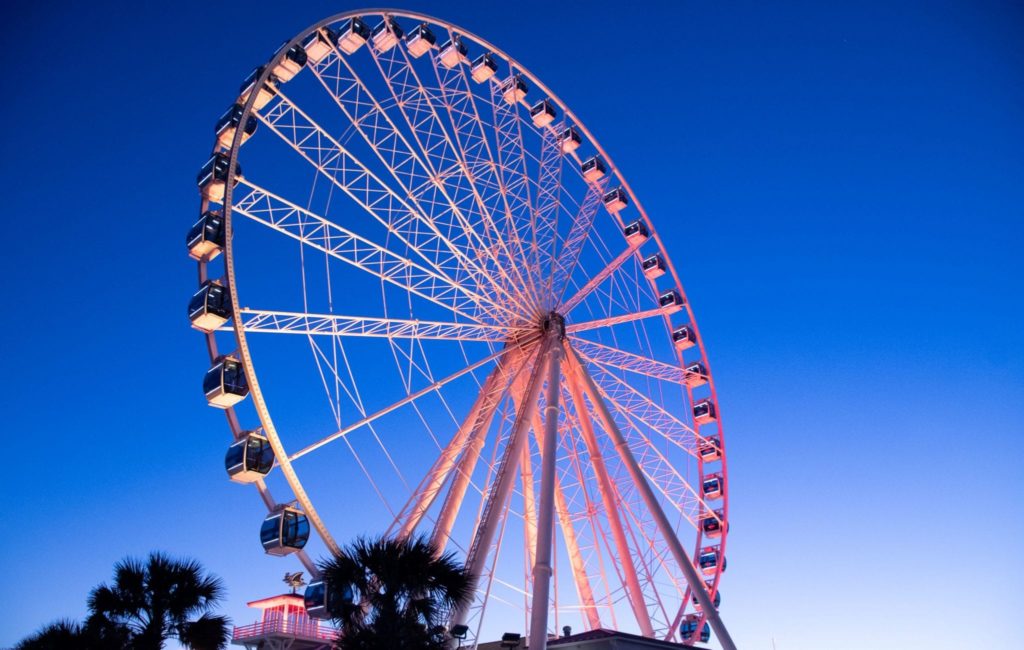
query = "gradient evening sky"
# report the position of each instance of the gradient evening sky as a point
(841, 186)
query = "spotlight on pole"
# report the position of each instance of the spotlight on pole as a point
(459, 632)
(510, 640)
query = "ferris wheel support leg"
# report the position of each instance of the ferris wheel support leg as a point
(501, 486)
(604, 487)
(545, 515)
(651, 501)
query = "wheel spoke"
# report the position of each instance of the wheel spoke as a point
(616, 358)
(613, 320)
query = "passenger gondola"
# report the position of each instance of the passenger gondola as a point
(653, 266)
(711, 524)
(696, 374)
(684, 337)
(225, 383)
(249, 459)
(205, 239)
(210, 307)
(293, 61)
(615, 200)
(483, 68)
(569, 139)
(420, 40)
(284, 531)
(636, 232)
(711, 486)
(514, 89)
(688, 629)
(386, 35)
(353, 35)
(212, 178)
(319, 44)
(542, 113)
(323, 601)
(670, 301)
(266, 92)
(716, 600)
(704, 412)
(708, 560)
(227, 126)
(593, 169)
(710, 449)
(453, 52)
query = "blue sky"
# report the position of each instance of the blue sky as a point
(839, 185)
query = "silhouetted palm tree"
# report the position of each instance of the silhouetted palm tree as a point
(161, 599)
(67, 634)
(398, 594)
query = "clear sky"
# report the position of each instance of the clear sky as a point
(840, 185)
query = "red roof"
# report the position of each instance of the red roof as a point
(277, 601)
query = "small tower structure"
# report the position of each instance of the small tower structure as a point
(284, 625)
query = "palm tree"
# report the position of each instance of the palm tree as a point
(160, 599)
(400, 594)
(65, 634)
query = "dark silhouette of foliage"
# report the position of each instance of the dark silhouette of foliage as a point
(147, 604)
(398, 594)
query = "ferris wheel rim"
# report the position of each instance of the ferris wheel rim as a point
(240, 335)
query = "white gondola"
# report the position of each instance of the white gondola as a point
(453, 52)
(670, 301)
(227, 126)
(266, 92)
(514, 89)
(319, 44)
(707, 561)
(684, 337)
(615, 200)
(420, 41)
(250, 458)
(205, 239)
(696, 374)
(704, 412)
(593, 169)
(542, 113)
(210, 307)
(353, 35)
(569, 139)
(712, 486)
(484, 67)
(212, 178)
(636, 232)
(225, 384)
(710, 449)
(293, 61)
(386, 35)
(653, 266)
(712, 524)
(284, 531)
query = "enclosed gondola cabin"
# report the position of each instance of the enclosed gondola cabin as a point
(453, 52)
(353, 35)
(711, 486)
(319, 44)
(205, 239)
(636, 232)
(716, 600)
(653, 266)
(593, 169)
(704, 412)
(225, 383)
(266, 92)
(711, 524)
(542, 113)
(386, 35)
(323, 601)
(695, 374)
(683, 337)
(514, 89)
(293, 61)
(710, 449)
(688, 629)
(569, 140)
(420, 40)
(249, 459)
(212, 178)
(284, 531)
(483, 68)
(670, 301)
(708, 560)
(210, 307)
(227, 126)
(615, 200)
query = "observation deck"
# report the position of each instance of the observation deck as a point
(284, 623)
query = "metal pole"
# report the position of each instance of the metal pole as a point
(545, 516)
(651, 500)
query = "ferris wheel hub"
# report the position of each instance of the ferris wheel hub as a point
(554, 322)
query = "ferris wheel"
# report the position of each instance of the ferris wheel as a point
(433, 305)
